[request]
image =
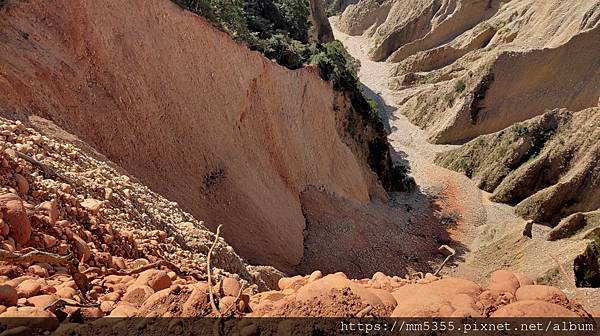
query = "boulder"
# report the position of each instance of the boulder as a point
(462, 301)
(29, 288)
(294, 281)
(324, 286)
(504, 281)
(124, 309)
(137, 294)
(533, 308)
(31, 317)
(385, 297)
(445, 288)
(524, 279)
(541, 293)
(424, 306)
(8, 295)
(231, 287)
(155, 279)
(15, 215)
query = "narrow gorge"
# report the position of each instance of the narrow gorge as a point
(291, 158)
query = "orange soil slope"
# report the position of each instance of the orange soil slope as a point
(228, 134)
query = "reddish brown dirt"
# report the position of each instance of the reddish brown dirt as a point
(226, 133)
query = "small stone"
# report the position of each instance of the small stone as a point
(231, 287)
(38, 270)
(83, 249)
(136, 295)
(8, 295)
(15, 215)
(112, 296)
(316, 275)
(49, 241)
(123, 309)
(22, 184)
(107, 306)
(29, 288)
(66, 292)
(51, 208)
(31, 317)
(227, 304)
(155, 279)
(92, 205)
(140, 262)
(197, 299)
(41, 301)
(62, 249)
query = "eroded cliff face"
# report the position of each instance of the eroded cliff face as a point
(546, 166)
(472, 67)
(229, 135)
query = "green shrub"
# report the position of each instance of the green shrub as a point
(449, 98)
(226, 14)
(460, 86)
(520, 130)
(337, 65)
(282, 17)
(286, 51)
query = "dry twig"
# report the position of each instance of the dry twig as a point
(48, 171)
(237, 298)
(209, 272)
(364, 312)
(61, 303)
(452, 253)
(32, 255)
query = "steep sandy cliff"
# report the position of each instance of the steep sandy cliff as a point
(547, 166)
(472, 67)
(230, 136)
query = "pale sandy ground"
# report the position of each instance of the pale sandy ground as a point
(490, 232)
(410, 144)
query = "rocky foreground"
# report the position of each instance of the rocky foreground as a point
(56, 198)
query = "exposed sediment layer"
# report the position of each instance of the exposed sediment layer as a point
(229, 135)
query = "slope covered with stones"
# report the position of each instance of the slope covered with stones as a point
(203, 120)
(60, 198)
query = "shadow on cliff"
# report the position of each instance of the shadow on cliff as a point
(399, 237)
(386, 112)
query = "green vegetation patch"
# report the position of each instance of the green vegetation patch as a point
(277, 28)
